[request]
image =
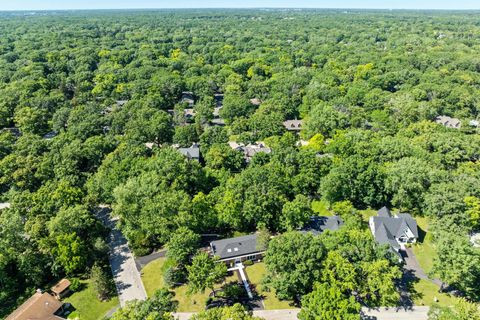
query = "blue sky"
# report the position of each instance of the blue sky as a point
(114, 4)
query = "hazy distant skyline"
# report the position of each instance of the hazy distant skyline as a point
(141, 4)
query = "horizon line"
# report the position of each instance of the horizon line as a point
(240, 8)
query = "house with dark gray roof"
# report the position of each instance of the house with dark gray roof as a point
(192, 152)
(320, 224)
(238, 249)
(394, 231)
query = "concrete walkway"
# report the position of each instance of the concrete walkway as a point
(416, 313)
(125, 274)
(240, 268)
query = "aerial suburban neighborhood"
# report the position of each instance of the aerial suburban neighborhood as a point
(253, 163)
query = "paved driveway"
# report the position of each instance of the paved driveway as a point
(125, 274)
(412, 264)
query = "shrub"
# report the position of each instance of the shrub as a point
(247, 263)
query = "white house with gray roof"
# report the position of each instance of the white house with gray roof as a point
(394, 231)
(238, 249)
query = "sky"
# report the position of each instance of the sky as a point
(125, 4)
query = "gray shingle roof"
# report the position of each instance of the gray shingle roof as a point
(318, 225)
(192, 153)
(384, 212)
(387, 228)
(234, 247)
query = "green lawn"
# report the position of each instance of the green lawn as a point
(320, 207)
(424, 249)
(427, 291)
(152, 277)
(87, 306)
(255, 274)
(367, 213)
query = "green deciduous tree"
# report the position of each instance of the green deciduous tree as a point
(327, 302)
(205, 272)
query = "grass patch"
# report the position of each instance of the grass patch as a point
(87, 306)
(320, 207)
(424, 249)
(367, 213)
(255, 274)
(426, 293)
(152, 277)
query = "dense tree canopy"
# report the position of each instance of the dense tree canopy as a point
(91, 112)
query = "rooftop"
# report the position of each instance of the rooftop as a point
(234, 247)
(449, 122)
(293, 125)
(61, 286)
(192, 152)
(319, 224)
(39, 306)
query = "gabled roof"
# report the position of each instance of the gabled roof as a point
(384, 212)
(384, 236)
(39, 306)
(235, 247)
(386, 229)
(319, 224)
(293, 125)
(192, 152)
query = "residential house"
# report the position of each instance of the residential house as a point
(192, 152)
(188, 98)
(41, 305)
(293, 125)
(250, 149)
(61, 289)
(319, 224)
(395, 231)
(239, 249)
(452, 123)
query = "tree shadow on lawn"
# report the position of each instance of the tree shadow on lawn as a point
(408, 293)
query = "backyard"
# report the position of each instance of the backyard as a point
(86, 304)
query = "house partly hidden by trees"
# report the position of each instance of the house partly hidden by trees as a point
(239, 249)
(394, 231)
(41, 305)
